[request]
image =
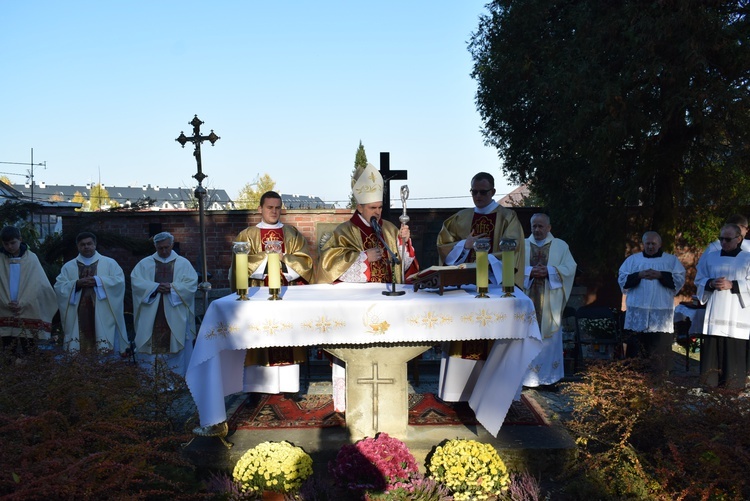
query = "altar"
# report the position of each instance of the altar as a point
(376, 335)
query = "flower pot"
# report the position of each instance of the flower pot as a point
(273, 496)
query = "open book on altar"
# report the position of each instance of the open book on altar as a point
(439, 277)
(433, 269)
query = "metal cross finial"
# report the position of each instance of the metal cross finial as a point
(197, 139)
(200, 194)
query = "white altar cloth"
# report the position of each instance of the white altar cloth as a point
(359, 314)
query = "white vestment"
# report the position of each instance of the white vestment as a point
(727, 314)
(110, 295)
(179, 310)
(548, 367)
(650, 305)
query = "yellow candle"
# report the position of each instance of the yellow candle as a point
(240, 271)
(508, 269)
(482, 270)
(274, 270)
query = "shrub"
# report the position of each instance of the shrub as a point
(647, 438)
(470, 469)
(76, 426)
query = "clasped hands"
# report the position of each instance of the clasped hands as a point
(539, 271)
(649, 274)
(721, 284)
(84, 282)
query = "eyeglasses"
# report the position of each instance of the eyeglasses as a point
(726, 239)
(479, 192)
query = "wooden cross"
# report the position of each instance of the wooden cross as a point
(388, 176)
(375, 381)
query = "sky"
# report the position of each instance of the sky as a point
(100, 90)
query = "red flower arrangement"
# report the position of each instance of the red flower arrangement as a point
(381, 464)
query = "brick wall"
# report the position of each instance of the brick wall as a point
(223, 226)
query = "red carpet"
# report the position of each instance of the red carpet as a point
(316, 411)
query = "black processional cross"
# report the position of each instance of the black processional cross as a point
(388, 176)
(200, 194)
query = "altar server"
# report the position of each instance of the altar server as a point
(650, 280)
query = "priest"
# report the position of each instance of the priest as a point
(274, 370)
(27, 300)
(462, 361)
(164, 286)
(548, 280)
(354, 253)
(90, 295)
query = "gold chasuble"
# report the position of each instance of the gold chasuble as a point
(296, 256)
(476, 349)
(539, 255)
(87, 309)
(161, 338)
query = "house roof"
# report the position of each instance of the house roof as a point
(165, 197)
(515, 197)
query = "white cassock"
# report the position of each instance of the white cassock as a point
(548, 367)
(179, 310)
(110, 295)
(650, 305)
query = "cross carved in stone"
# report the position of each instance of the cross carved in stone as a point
(375, 381)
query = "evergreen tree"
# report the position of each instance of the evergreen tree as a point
(360, 162)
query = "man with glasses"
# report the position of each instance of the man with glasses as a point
(723, 280)
(650, 280)
(740, 221)
(462, 361)
(715, 246)
(486, 220)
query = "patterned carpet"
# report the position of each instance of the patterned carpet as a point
(259, 411)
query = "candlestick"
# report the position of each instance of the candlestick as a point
(240, 251)
(274, 270)
(240, 271)
(481, 248)
(508, 247)
(273, 251)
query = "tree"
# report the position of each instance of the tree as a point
(98, 197)
(5, 179)
(599, 106)
(78, 199)
(360, 162)
(249, 195)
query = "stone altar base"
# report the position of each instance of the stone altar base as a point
(377, 390)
